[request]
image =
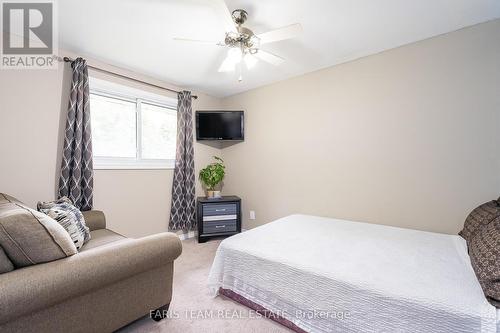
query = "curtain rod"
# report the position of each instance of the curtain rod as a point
(67, 59)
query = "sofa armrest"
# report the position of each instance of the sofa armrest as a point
(94, 219)
(26, 290)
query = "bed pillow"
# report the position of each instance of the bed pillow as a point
(484, 252)
(29, 237)
(479, 218)
(70, 217)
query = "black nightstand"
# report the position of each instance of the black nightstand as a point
(218, 217)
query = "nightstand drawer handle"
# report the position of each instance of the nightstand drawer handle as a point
(220, 226)
(221, 210)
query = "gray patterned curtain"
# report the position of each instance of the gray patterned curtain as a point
(182, 213)
(76, 179)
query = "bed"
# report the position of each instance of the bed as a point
(316, 274)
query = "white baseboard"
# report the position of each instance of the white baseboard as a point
(184, 236)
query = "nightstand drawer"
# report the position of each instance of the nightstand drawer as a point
(212, 227)
(219, 209)
(219, 217)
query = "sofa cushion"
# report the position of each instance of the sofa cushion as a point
(479, 218)
(70, 217)
(5, 263)
(29, 237)
(102, 237)
(484, 251)
(94, 219)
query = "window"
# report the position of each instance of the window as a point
(131, 129)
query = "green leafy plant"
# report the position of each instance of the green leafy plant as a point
(213, 174)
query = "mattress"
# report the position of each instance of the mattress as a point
(330, 275)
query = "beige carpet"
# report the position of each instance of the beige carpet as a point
(196, 311)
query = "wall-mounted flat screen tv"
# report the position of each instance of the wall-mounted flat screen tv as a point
(219, 125)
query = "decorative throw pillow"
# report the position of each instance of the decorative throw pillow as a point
(29, 237)
(478, 218)
(70, 217)
(484, 252)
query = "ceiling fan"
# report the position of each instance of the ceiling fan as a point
(243, 45)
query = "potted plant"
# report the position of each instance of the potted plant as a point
(211, 176)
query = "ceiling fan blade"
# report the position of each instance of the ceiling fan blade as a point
(269, 57)
(225, 15)
(227, 65)
(287, 32)
(211, 42)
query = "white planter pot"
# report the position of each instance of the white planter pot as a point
(214, 194)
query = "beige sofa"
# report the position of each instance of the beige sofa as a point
(109, 283)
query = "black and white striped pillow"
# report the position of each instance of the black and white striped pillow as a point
(69, 217)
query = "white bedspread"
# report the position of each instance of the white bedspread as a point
(329, 275)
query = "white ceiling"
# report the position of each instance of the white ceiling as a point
(137, 34)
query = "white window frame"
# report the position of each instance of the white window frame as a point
(137, 96)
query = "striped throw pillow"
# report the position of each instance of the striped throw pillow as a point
(69, 217)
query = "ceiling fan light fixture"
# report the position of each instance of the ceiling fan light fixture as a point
(250, 60)
(243, 44)
(235, 55)
(254, 42)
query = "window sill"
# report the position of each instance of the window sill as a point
(133, 164)
(127, 167)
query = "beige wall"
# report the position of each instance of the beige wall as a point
(409, 137)
(32, 115)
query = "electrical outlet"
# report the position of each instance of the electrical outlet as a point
(252, 215)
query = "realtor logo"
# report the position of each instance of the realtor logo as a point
(28, 39)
